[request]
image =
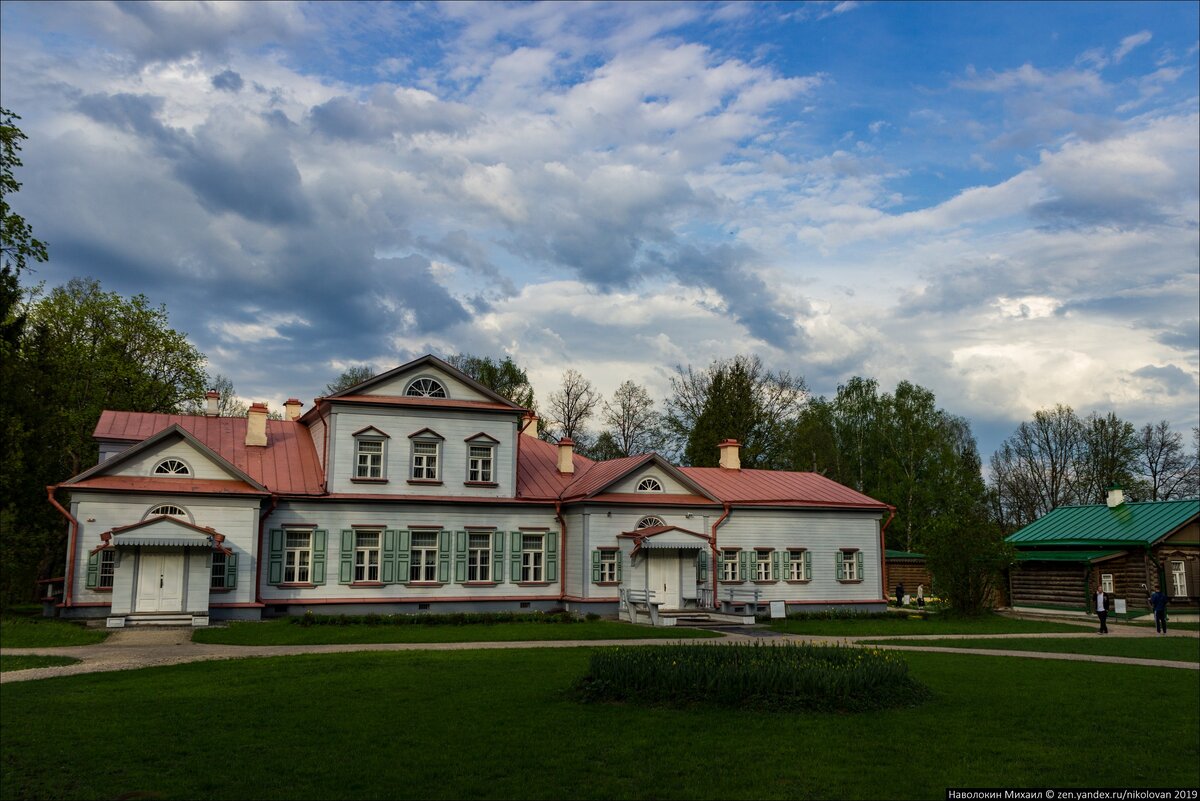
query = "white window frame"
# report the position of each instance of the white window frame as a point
(108, 568)
(423, 558)
(608, 565)
(367, 556)
(156, 511)
(1106, 582)
(651, 521)
(297, 558)
(796, 559)
(479, 558)
(423, 387)
(730, 568)
(533, 557)
(477, 471)
(850, 566)
(359, 453)
(762, 565)
(172, 466)
(421, 470)
(217, 580)
(1179, 578)
(650, 484)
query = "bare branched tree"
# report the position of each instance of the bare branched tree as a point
(634, 424)
(572, 405)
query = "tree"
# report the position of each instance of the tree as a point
(503, 377)
(1035, 470)
(228, 404)
(572, 405)
(350, 377)
(17, 243)
(1166, 471)
(1107, 457)
(604, 448)
(634, 426)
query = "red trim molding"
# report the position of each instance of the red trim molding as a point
(407, 600)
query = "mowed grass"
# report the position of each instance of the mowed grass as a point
(500, 724)
(27, 632)
(11, 662)
(286, 632)
(899, 624)
(1177, 649)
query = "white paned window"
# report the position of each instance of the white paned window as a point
(108, 564)
(171, 467)
(479, 557)
(608, 565)
(297, 557)
(1179, 579)
(850, 566)
(366, 556)
(762, 565)
(218, 570)
(649, 485)
(168, 510)
(426, 388)
(1106, 582)
(425, 461)
(479, 463)
(532, 557)
(369, 458)
(650, 522)
(423, 556)
(729, 565)
(796, 565)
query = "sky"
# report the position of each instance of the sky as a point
(1000, 201)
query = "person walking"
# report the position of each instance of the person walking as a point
(920, 596)
(1102, 602)
(1158, 602)
(900, 594)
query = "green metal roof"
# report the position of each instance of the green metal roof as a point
(1064, 556)
(1099, 526)
(890, 554)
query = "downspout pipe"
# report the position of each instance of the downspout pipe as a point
(883, 552)
(258, 560)
(713, 545)
(68, 593)
(562, 550)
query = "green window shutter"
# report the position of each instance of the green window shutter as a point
(444, 556)
(837, 559)
(620, 559)
(858, 565)
(275, 560)
(808, 565)
(230, 571)
(460, 556)
(744, 566)
(403, 556)
(320, 540)
(514, 542)
(595, 566)
(702, 566)
(346, 563)
(551, 556)
(93, 570)
(387, 567)
(498, 556)
(775, 571)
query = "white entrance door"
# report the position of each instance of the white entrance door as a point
(160, 582)
(663, 577)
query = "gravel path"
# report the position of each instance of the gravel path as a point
(129, 649)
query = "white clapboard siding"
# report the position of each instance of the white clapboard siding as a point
(143, 464)
(455, 389)
(575, 573)
(670, 485)
(399, 424)
(317, 431)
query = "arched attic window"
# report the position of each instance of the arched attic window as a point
(650, 522)
(649, 485)
(172, 467)
(426, 388)
(169, 510)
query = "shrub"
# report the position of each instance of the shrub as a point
(839, 614)
(791, 677)
(424, 619)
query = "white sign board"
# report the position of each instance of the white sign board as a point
(1119, 606)
(778, 609)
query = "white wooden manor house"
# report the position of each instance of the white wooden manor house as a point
(422, 490)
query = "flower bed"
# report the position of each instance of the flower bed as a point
(824, 678)
(453, 619)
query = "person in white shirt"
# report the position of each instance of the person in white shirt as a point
(1101, 605)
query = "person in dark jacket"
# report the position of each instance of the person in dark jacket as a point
(1158, 602)
(1102, 601)
(900, 594)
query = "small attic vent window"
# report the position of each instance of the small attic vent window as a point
(649, 485)
(169, 510)
(426, 388)
(171, 467)
(650, 522)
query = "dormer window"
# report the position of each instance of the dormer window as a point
(650, 522)
(649, 485)
(426, 388)
(370, 455)
(172, 467)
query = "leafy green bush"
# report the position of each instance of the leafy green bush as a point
(791, 677)
(423, 619)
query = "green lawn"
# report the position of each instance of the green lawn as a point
(897, 624)
(285, 632)
(25, 632)
(1181, 649)
(27, 661)
(499, 724)
(1171, 625)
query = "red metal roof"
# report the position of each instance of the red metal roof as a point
(652, 499)
(777, 488)
(601, 474)
(154, 484)
(287, 464)
(537, 470)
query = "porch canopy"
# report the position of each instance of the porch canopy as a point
(666, 538)
(163, 531)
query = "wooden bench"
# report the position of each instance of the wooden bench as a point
(738, 598)
(641, 599)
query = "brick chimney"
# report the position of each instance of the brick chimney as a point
(212, 403)
(529, 425)
(729, 454)
(1116, 496)
(256, 424)
(291, 408)
(566, 452)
